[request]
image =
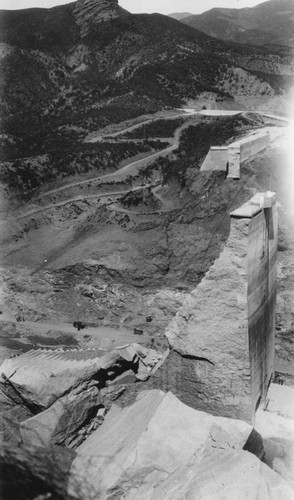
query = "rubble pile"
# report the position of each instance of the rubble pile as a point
(160, 448)
(67, 433)
(59, 397)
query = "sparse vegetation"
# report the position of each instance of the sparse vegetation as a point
(50, 102)
(157, 128)
(24, 175)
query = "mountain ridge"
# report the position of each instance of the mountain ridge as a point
(108, 66)
(270, 22)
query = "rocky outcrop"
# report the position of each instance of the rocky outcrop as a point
(90, 13)
(160, 448)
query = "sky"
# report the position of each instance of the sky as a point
(138, 6)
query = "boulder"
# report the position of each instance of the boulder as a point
(219, 474)
(147, 359)
(139, 449)
(26, 472)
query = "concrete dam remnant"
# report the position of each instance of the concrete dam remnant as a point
(229, 158)
(223, 337)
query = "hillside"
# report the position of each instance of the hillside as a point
(108, 66)
(268, 23)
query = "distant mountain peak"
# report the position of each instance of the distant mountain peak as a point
(180, 15)
(89, 13)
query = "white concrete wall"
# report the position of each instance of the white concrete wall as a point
(216, 159)
(240, 151)
(235, 154)
(253, 145)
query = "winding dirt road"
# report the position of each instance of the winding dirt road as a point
(92, 138)
(134, 167)
(79, 198)
(131, 169)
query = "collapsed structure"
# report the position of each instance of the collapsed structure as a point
(229, 158)
(221, 362)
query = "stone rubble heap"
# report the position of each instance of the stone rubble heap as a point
(65, 394)
(160, 448)
(64, 432)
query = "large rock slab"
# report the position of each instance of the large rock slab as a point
(142, 446)
(38, 378)
(276, 425)
(61, 420)
(42, 377)
(220, 475)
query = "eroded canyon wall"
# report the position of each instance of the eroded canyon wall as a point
(225, 331)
